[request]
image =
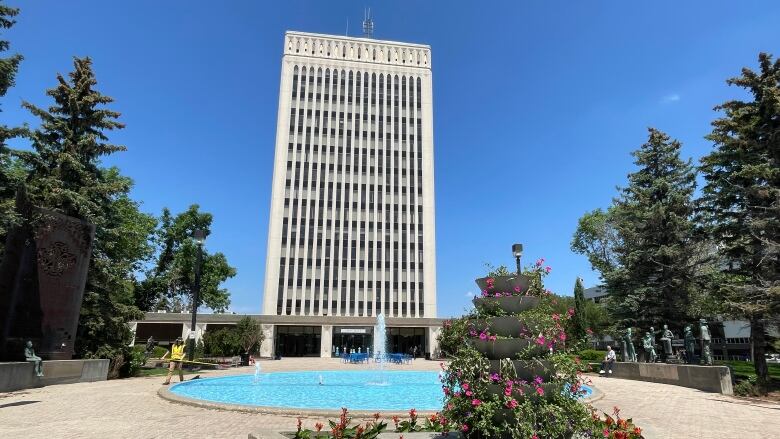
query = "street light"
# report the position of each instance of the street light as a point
(517, 251)
(200, 237)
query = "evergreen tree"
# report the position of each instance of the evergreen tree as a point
(654, 277)
(66, 175)
(578, 324)
(741, 201)
(168, 284)
(10, 172)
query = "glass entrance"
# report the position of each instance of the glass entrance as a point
(352, 339)
(298, 341)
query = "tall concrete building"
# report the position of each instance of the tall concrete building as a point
(352, 230)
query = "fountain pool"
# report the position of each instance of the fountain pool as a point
(357, 390)
(368, 390)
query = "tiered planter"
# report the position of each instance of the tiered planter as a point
(515, 336)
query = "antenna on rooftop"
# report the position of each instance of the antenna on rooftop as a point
(368, 24)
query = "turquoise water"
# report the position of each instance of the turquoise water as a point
(356, 390)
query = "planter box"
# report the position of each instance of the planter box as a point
(504, 326)
(526, 369)
(507, 348)
(505, 284)
(510, 304)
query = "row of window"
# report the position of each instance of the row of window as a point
(392, 309)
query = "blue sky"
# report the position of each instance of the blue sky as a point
(537, 105)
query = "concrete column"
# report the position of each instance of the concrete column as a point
(133, 329)
(267, 346)
(326, 341)
(185, 331)
(200, 328)
(433, 341)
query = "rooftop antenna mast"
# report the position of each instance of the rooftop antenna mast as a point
(368, 24)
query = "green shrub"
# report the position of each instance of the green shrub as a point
(749, 387)
(589, 355)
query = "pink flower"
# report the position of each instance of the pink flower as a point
(538, 380)
(482, 336)
(494, 377)
(556, 316)
(540, 391)
(475, 402)
(540, 340)
(547, 269)
(571, 312)
(517, 289)
(464, 427)
(492, 338)
(589, 331)
(465, 386)
(562, 336)
(512, 403)
(456, 394)
(468, 393)
(535, 437)
(508, 390)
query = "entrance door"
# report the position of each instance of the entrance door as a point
(298, 341)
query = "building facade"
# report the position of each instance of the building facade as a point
(351, 231)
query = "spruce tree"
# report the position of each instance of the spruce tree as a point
(67, 176)
(652, 281)
(741, 201)
(10, 172)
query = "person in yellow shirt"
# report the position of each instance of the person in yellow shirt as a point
(177, 355)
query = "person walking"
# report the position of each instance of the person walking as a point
(609, 359)
(177, 355)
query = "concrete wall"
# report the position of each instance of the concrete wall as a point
(708, 378)
(20, 375)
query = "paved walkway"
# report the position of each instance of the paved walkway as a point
(131, 408)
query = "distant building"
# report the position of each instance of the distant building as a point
(595, 294)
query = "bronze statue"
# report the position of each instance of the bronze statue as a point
(666, 341)
(29, 355)
(648, 343)
(706, 341)
(629, 354)
(690, 344)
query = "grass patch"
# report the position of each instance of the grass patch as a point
(159, 371)
(745, 369)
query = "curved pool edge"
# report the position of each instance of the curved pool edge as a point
(596, 395)
(165, 393)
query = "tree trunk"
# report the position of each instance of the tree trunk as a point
(758, 340)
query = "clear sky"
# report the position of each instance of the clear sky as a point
(537, 105)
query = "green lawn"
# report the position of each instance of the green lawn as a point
(745, 369)
(159, 371)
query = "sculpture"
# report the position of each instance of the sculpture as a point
(649, 346)
(150, 344)
(690, 344)
(29, 355)
(629, 354)
(666, 341)
(706, 340)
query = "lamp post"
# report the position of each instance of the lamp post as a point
(200, 237)
(517, 251)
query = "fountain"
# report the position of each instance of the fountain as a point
(257, 373)
(380, 350)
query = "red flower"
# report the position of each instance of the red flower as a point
(413, 414)
(318, 426)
